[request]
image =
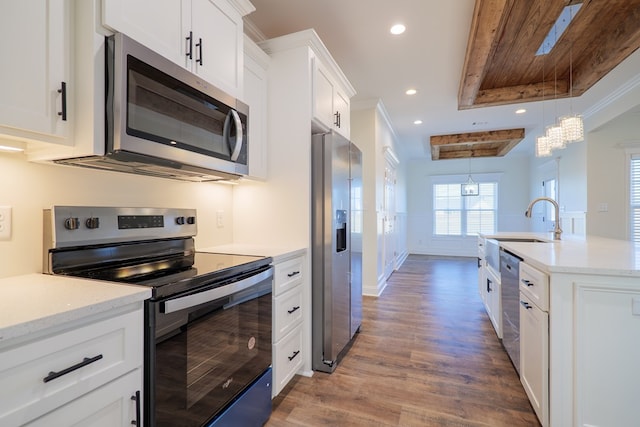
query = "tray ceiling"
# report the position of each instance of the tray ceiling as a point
(501, 66)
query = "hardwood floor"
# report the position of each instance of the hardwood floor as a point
(426, 355)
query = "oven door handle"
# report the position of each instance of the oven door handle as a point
(181, 303)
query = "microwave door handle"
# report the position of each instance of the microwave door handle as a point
(239, 136)
(181, 303)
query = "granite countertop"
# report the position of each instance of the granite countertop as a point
(33, 302)
(278, 254)
(575, 254)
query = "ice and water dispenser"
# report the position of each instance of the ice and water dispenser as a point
(341, 230)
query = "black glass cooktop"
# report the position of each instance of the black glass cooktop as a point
(171, 275)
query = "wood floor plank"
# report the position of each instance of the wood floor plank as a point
(426, 355)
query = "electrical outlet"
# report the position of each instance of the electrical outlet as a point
(5, 222)
(220, 219)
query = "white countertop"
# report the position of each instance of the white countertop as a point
(277, 253)
(576, 254)
(34, 302)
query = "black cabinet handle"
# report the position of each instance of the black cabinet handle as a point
(337, 115)
(86, 361)
(63, 91)
(199, 46)
(295, 353)
(293, 273)
(136, 398)
(489, 285)
(526, 305)
(526, 282)
(189, 49)
(294, 309)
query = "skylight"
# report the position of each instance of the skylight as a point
(561, 24)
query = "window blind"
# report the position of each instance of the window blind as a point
(634, 197)
(455, 215)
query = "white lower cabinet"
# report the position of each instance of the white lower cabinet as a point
(99, 357)
(534, 356)
(113, 404)
(492, 299)
(534, 339)
(289, 309)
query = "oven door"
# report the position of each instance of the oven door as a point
(205, 349)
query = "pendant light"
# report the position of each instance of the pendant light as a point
(543, 147)
(572, 125)
(470, 188)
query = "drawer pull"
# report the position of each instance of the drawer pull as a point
(87, 361)
(526, 305)
(293, 273)
(294, 309)
(526, 282)
(295, 353)
(136, 398)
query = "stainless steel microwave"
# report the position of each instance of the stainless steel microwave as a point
(163, 120)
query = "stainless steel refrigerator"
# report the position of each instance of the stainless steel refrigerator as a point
(336, 248)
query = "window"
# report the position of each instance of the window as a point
(634, 197)
(457, 215)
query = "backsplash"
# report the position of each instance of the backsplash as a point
(30, 187)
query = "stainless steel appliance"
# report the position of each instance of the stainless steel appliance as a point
(336, 248)
(163, 120)
(207, 324)
(510, 295)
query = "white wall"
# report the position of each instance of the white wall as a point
(31, 187)
(513, 198)
(607, 177)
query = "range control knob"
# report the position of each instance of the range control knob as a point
(71, 223)
(191, 220)
(180, 220)
(92, 223)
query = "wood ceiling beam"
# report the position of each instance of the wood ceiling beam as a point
(486, 27)
(521, 93)
(478, 137)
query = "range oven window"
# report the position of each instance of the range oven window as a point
(205, 356)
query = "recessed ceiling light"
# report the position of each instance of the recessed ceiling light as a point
(398, 29)
(411, 92)
(417, 122)
(521, 111)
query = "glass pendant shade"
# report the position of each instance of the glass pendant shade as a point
(543, 149)
(470, 188)
(572, 128)
(554, 135)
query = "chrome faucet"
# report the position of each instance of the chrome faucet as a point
(556, 230)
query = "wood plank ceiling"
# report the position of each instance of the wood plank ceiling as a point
(501, 66)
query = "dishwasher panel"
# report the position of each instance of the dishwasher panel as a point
(510, 296)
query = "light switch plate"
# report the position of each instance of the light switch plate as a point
(5, 222)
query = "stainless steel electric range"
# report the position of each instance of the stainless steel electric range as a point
(207, 324)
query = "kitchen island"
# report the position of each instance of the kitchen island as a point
(592, 294)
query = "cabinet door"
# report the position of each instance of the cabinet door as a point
(35, 43)
(534, 356)
(110, 405)
(322, 96)
(218, 44)
(341, 106)
(156, 24)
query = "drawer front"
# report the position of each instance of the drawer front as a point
(288, 274)
(287, 312)
(38, 377)
(535, 284)
(287, 357)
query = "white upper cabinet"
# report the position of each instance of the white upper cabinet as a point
(204, 36)
(37, 86)
(331, 103)
(256, 64)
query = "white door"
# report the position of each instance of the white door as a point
(389, 219)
